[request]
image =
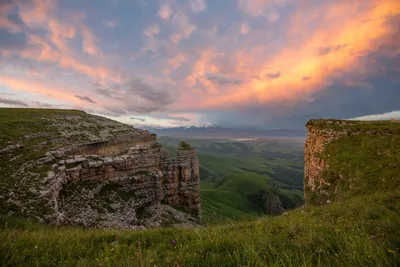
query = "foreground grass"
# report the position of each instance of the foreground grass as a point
(363, 231)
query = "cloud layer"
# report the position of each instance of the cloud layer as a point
(258, 63)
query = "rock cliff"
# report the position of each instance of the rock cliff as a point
(90, 171)
(345, 158)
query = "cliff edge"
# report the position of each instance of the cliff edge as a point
(67, 167)
(347, 158)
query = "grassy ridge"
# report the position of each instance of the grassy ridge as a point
(361, 164)
(16, 122)
(363, 231)
(354, 125)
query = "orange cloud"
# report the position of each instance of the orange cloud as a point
(361, 30)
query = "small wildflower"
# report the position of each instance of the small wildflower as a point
(174, 242)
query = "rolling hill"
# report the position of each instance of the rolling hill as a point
(237, 176)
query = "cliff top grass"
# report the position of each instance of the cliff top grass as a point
(364, 231)
(27, 134)
(355, 125)
(360, 163)
(18, 122)
(72, 125)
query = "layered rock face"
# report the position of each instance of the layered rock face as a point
(126, 180)
(121, 182)
(351, 174)
(314, 164)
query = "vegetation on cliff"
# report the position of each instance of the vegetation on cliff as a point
(358, 158)
(355, 125)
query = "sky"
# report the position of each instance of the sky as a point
(234, 63)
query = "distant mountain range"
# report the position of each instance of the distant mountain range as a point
(212, 131)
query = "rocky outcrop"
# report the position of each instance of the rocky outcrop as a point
(323, 183)
(126, 180)
(268, 202)
(314, 164)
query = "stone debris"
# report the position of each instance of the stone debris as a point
(45, 160)
(9, 148)
(79, 158)
(70, 161)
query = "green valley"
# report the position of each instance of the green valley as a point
(235, 173)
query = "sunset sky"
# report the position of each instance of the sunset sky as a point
(234, 63)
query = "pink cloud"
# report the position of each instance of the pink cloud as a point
(40, 87)
(165, 12)
(40, 14)
(244, 28)
(5, 23)
(89, 45)
(184, 28)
